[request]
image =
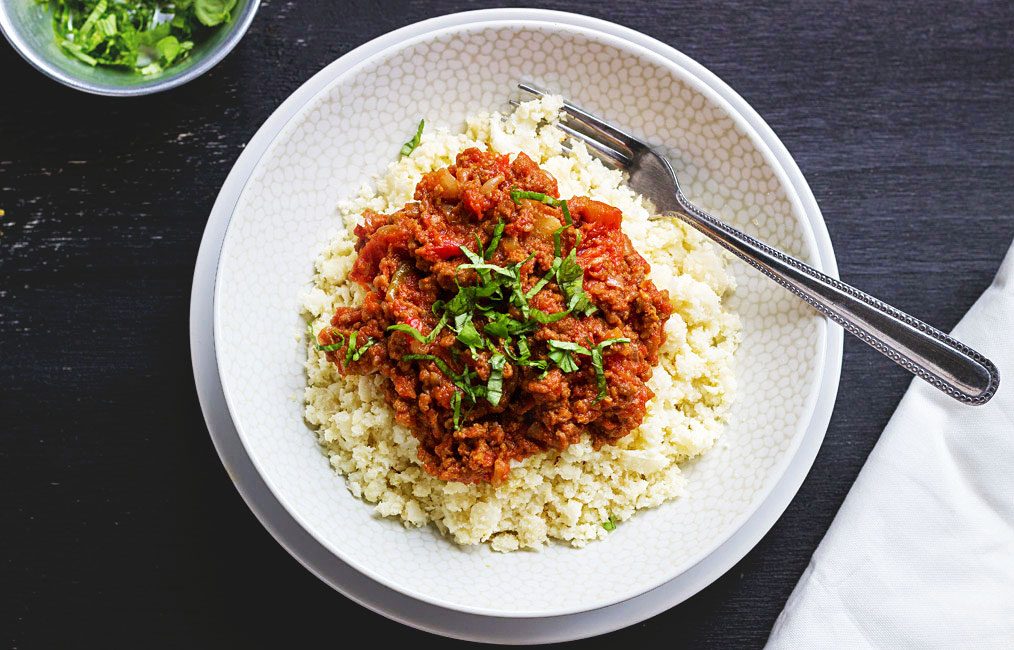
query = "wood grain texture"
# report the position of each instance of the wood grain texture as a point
(120, 526)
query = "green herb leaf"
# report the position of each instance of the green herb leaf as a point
(416, 334)
(370, 342)
(76, 50)
(609, 524)
(599, 366)
(470, 336)
(213, 12)
(325, 348)
(487, 267)
(141, 35)
(504, 326)
(473, 257)
(562, 354)
(93, 18)
(107, 25)
(456, 406)
(494, 241)
(517, 196)
(494, 387)
(353, 353)
(440, 363)
(566, 213)
(410, 146)
(569, 274)
(537, 287)
(168, 48)
(570, 278)
(352, 347)
(540, 316)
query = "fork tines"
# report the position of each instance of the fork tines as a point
(607, 141)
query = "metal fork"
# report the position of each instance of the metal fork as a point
(923, 350)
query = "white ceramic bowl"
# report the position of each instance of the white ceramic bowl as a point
(347, 133)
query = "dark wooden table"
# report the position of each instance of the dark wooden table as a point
(120, 526)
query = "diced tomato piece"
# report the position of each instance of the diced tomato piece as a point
(598, 213)
(375, 249)
(477, 202)
(444, 250)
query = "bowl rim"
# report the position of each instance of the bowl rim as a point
(374, 596)
(813, 229)
(156, 85)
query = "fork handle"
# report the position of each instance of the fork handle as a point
(923, 350)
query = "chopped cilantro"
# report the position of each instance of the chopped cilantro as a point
(410, 146)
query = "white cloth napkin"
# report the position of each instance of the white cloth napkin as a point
(921, 554)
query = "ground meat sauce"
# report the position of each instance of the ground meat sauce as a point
(409, 260)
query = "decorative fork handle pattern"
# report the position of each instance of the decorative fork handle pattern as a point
(923, 350)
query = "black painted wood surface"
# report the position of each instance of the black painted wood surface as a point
(119, 524)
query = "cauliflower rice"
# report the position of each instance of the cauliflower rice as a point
(565, 495)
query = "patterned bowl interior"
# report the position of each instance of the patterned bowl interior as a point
(348, 133)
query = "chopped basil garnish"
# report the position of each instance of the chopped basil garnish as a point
(331, 347)
(494, 387)
(456, 406)
(540, 316)
(570, 278)
(562, 354)
(352, 353)
(518, 195)
(410, 146)
(416, 334)
(503, 326)
(568, 273)
(462, 380)
(494, 241)
(600, 371)
(470, 336)
(444, 368)
(483, 266)
(504, 334)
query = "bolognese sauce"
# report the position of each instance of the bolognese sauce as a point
(505, 321)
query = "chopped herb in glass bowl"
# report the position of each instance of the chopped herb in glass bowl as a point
(140, 35)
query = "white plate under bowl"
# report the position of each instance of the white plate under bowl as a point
(324, 148)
